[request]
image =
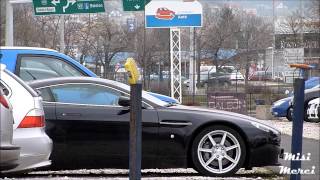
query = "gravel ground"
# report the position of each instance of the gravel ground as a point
(310, 130)
(147, 174)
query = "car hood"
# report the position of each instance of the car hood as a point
(225, 113)
(287, 99)
(221, 112)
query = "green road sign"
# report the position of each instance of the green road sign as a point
(134, 5)
(47, 7)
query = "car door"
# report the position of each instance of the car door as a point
(53, 129)
(96, 128)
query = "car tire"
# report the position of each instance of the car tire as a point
(213, 156)
(289, 113)
(306, 118)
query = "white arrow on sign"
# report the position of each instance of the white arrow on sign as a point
(137, 6)
(55, 2)
(66, 6)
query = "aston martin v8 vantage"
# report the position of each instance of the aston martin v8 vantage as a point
(88, 121)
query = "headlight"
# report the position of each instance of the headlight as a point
(265, 127)
(278, 103)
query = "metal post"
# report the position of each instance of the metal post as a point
(135, 132)
(9, 24)
(192, 64)
(297, 125)
(61, 26)
(175, 56)
(298, 117)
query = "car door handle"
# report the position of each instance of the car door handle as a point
(71, 114)
(175, 123)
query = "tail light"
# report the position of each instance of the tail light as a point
(4, 102)
(35, 118)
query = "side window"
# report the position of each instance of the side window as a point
(42, 67)
(85, 94)
(46, 94)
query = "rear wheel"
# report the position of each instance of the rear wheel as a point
(289, 113)
(218, 151)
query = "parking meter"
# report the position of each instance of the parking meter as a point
(298, 117)
(133, 72)
(135, 119)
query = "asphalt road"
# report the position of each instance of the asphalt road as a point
(309, 146)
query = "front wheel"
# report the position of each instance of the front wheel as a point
(289, 113)
(218, 151)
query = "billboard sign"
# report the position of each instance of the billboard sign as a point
(233, 102)
(167, 14)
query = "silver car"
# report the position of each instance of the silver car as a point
(9, 154)
(28, 128)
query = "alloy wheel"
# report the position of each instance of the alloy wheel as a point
(219, 151)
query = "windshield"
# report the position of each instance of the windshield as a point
(145, 95)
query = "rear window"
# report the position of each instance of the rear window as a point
(45, 67)
(28, 88)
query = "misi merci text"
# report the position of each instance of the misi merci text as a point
(297, 157)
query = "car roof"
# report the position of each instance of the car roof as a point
(312, 90)
(65, 80)
(26, 48)
(69, 80)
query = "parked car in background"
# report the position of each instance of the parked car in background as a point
(30, 63)
(284, 107)
(313, 110)
(28, 129)
(309, 95)
(9, 153)
(236, 76)
(95, 112)
(312, 82)
(212, 78)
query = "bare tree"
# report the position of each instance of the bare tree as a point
(216, 35)
(84, 40)
(110, 39)
(255, 36)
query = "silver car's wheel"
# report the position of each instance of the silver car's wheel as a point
(219, 151)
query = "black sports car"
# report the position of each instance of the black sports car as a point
(90, 129)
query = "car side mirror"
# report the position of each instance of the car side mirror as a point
(124, 101)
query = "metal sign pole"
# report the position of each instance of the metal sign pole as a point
(9, 24)
(298, 117)
(175, 56)
(135, 132)
(297, 124)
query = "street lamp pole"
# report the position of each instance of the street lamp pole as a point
(9, 20)
(9, 24)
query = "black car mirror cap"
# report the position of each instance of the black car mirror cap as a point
(124, 101)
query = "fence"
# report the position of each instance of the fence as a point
(227, 91)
